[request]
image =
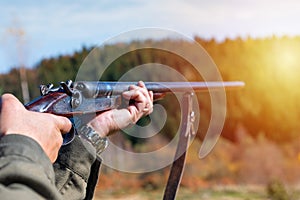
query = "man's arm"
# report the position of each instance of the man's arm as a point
(25, 170)
(74, 168)
(29, 143)
(44, 128)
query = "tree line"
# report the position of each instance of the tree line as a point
(268, 105)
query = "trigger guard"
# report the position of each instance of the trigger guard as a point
(69, 137)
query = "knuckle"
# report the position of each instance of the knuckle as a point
(7, 97)
(133, 87)
(8, 100)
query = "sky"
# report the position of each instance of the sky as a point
(47, 29)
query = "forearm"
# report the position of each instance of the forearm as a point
(111, 121)
(26, 172)
(74, 168)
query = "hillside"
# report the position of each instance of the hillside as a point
(268, 105)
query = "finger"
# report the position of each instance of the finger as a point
(140, 95)
(133, 93)
(151, 95)
(142, 84)
(149, 104)
(63, 124)
(127, 94)
(137, 90)
(147, 93)
(136, 95)
(141, 87)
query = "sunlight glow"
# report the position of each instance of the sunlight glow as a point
(286, 60)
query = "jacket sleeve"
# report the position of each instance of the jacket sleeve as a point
(76, 170)
(25, 170)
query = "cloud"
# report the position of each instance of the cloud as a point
(63, 26)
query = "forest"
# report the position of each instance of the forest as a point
(261, 129)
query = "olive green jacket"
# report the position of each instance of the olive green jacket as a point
(27, 173)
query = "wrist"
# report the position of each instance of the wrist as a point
(121, 119)
(111, 121)
(88, 134)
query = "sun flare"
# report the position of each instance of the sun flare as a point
(286, 61)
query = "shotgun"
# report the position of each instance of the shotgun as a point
(84, 98)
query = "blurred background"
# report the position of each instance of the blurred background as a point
(258, 42)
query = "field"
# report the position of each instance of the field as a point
(216, 193)
(228, 173)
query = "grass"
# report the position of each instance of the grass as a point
(217, 193)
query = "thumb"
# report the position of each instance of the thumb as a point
(63, 124)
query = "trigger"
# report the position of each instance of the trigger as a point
(69, 137)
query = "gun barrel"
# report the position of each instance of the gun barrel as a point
(161, 87)
(100, 88)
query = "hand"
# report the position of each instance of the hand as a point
(112, 120)
(44, 128)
